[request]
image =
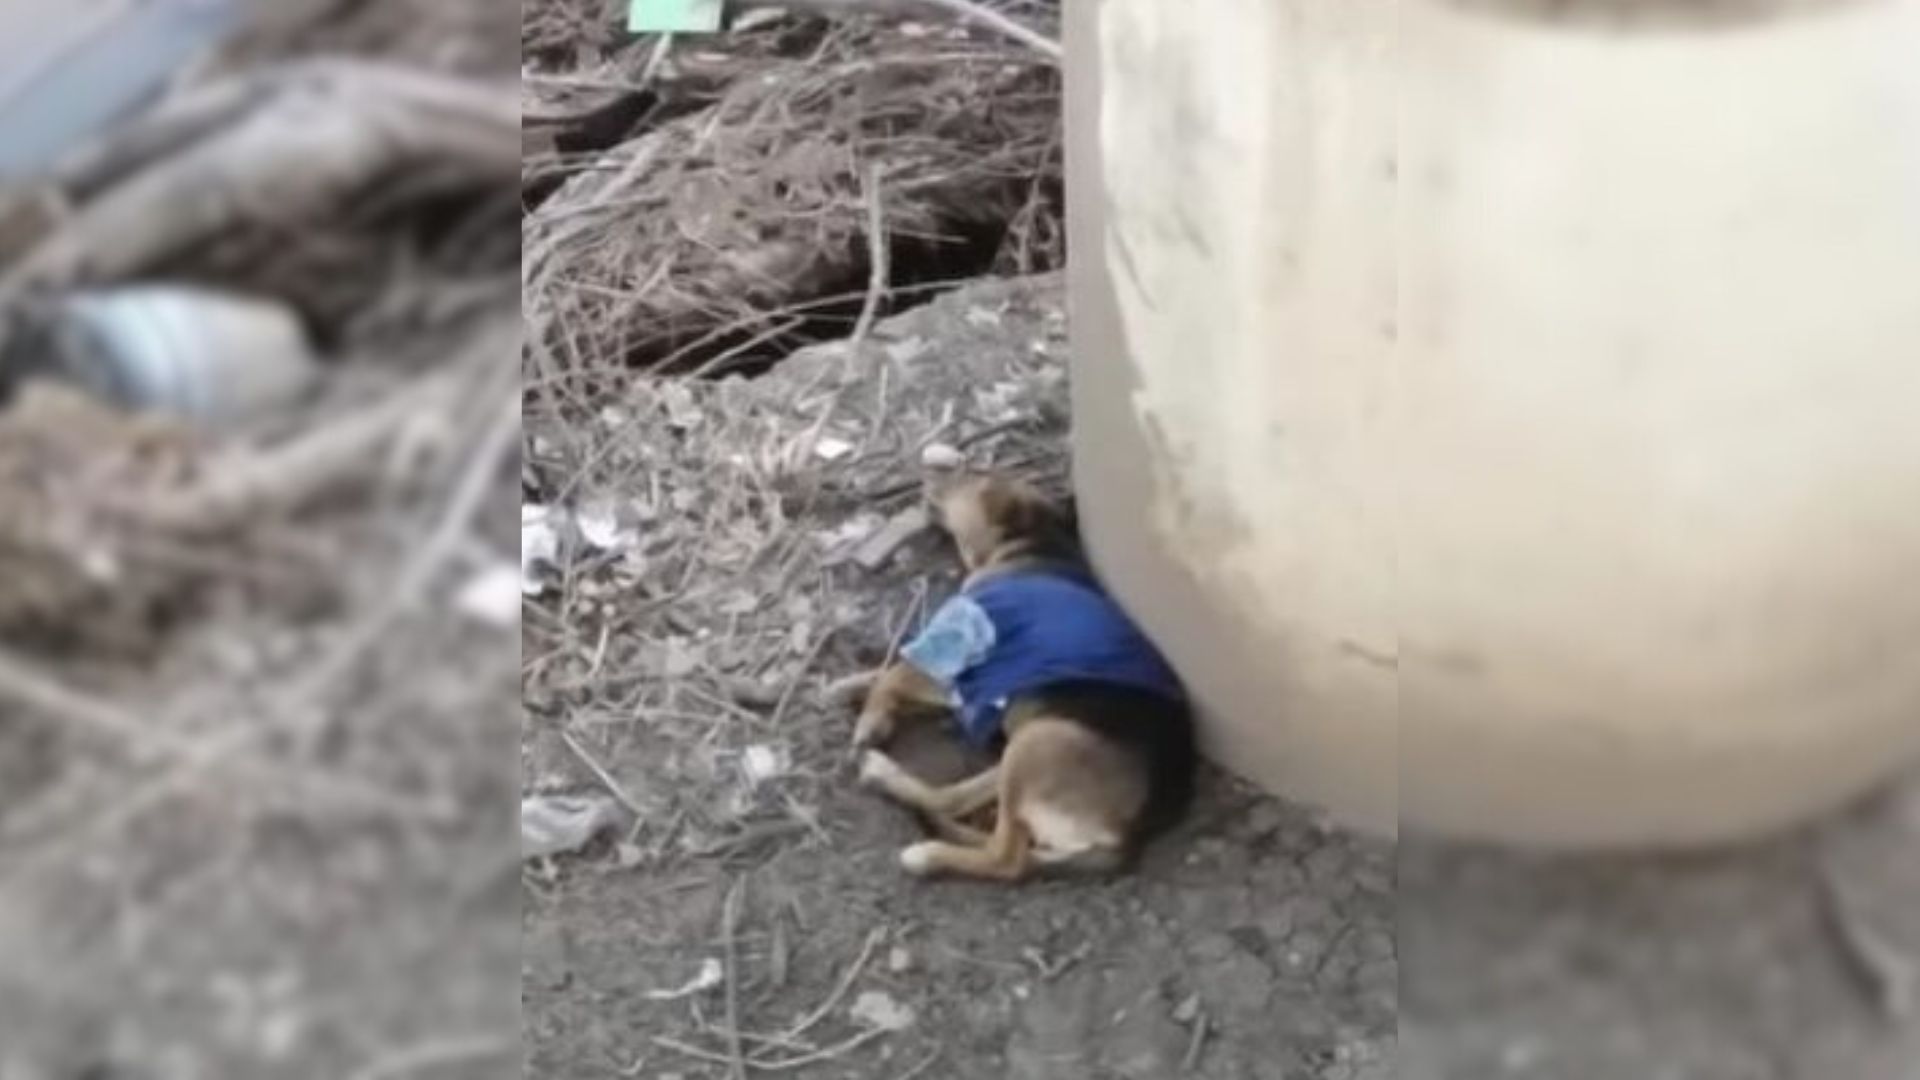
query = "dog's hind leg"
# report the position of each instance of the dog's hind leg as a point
(941, 807)
(957, 800)
(956, 832)
(1006, 856)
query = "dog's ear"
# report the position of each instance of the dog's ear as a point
(1067, 513)
(1015, 510)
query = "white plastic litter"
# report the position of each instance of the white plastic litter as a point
(539, 546)
(941, 456)
(842, 538)
(832, 449)
(492, 597)
(762, 763)
(600, 526)
(876, 1008)
(711, 975)
(553, 824)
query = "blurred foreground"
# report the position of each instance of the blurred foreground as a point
(258, 669)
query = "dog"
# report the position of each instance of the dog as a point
(1032, 658)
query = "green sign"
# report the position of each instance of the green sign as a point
(674, 16)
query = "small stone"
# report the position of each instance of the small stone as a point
(899, 960)
(1188, 1010)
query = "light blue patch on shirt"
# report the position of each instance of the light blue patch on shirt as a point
(957, 637)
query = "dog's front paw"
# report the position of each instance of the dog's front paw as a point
(876, 769)
(872, 729)
(848, 691)
(918, 859)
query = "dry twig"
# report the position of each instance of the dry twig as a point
(986, 16)
(606, 778)
(1888, 976)
(22, 684)
(274, 149)
(877, 274)
(437, 1054)
(806, 1023)
(730, 918)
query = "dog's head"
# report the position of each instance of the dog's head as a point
(996, 517)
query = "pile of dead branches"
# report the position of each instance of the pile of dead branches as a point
(772, 174)
(298, 182)
(369, 196)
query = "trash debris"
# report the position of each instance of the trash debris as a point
(832, 449)
(899, 960)
(492, 596)
(680, 658)
(26, 217)
(555, 824)
(208, 356)
(711, 974)
(841, 540)
(762, 763)
(539, 547)
(122, 60)
(600, 526)
(941, 456)
(878, 1009)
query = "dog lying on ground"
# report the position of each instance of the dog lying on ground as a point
(1032, 657)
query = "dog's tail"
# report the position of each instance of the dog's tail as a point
(1094, 860)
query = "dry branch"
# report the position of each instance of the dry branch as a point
(971, 10)
(269, 151)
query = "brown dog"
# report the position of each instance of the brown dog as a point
(1033, 656)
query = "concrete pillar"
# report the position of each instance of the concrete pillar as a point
(1511, 426)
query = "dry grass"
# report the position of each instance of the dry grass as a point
(716, 234)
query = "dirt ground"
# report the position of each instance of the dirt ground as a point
(1789, 960)
(1253, 943)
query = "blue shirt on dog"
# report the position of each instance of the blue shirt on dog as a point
(1022, 632)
